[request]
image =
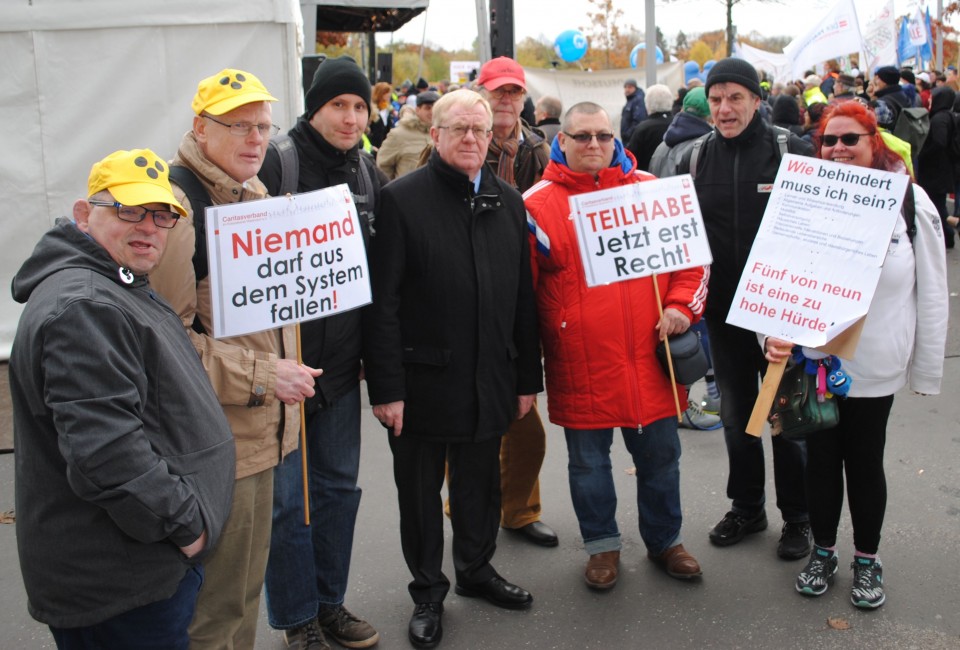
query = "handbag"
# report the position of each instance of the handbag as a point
(689, 360)
(797, 411)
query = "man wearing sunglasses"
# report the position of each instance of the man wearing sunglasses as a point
(599, 350)
(256, 376)
(125, 460)
(733, 175)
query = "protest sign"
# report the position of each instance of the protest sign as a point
(639, 230)
(814, 266)
(285, 260)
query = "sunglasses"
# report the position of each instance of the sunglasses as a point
(848, 139)
(584, 138)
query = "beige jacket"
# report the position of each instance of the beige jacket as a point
(400, 152)
(242, 369)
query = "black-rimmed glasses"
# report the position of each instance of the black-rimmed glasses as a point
(848, 139)
(584, 138)
(242, 129)
(137, 213)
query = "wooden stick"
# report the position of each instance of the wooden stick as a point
(768, 391)
(673, 378)
(303, 445)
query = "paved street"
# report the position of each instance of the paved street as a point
(746, 598)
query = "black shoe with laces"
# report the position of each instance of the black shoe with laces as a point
(425, 630)
(734, 527)
(794, 541)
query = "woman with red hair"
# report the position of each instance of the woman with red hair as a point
(902, 343)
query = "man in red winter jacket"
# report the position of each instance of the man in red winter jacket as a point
(599, 352)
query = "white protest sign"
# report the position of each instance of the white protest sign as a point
(816, 260)
(641, 229)
(285, 260)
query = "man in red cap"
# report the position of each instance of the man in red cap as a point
(518, 154)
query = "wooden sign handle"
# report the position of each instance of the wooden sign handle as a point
(768, 391)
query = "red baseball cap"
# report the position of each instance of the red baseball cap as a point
(500, 72)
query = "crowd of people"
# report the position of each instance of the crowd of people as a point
(167, 460)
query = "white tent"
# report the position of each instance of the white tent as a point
(83, 79)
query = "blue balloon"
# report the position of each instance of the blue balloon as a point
(570, 45)
(635, 54)
(691, 70)
(709, 64)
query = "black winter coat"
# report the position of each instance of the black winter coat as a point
(647, 137)
(734, 178)
(935, 163)
(332, 343)
(453, 326)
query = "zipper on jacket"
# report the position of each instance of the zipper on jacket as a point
(736, 206)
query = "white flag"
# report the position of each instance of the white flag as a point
(880, 40)
(916, 28)
(837, 34)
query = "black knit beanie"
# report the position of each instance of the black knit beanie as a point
(334, 77)
(736, 71)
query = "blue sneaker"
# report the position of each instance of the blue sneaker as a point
(867, 591)
(695, 418)
(818, 574)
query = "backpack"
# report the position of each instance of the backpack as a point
(954, 146)
(781, 140)
(913, 125)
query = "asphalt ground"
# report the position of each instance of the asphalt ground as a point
(745, 599)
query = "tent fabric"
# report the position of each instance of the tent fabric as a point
(83, 79)
(365, 15)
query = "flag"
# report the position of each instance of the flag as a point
(915, 40)
(837, 34)
(880, 40)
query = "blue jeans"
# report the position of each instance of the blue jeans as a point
(308, 566)
(656, 454)
(738, 362)
(161, 625)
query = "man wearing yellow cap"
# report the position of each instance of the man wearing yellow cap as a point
(124, 456)
(255, 376)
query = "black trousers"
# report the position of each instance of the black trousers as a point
(474, 488)
(855, 448)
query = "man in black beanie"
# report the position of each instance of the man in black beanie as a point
(733, 174)
(307, 572)
(886, 88)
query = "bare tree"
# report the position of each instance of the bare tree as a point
(730, 31)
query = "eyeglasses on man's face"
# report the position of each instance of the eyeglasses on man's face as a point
(242, 129)
(137, 213)
(585, 138)
(460, 131)
(513, 92)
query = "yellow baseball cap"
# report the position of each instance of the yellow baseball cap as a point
(134, 177)
(227, 90)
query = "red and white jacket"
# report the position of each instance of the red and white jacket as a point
(599, 343)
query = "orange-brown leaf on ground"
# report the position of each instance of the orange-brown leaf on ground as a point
(837, 623)
(7, 517)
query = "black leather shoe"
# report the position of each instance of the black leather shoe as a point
(733, 528)
(537, 532)
(425, 628)
(498, 592)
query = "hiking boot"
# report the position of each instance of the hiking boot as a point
(867, 591)
(794, 541)
(306, 637)
(695, 418)
(710, 405)
(817, 576)
(346, 629)
(733, 528)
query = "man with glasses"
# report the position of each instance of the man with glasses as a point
(306, 578)
(518, 154)
(451, 354)
(255, 376)
(733, 175)
(125, 461)
(599, 350)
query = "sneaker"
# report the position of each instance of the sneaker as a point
(346, 629)
(819, 572)
(794, 541)
(867, 591)
(733, 528)
(694, 418)
(307, 637)
(710, 405)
